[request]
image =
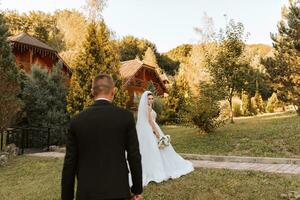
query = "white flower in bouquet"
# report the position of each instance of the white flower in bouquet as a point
(164, 141)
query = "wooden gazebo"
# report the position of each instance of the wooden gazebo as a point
(137, 75)
(31, 51)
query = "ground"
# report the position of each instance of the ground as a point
(34, 178)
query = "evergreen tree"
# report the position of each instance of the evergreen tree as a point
(44, 96)
(150, 58)
(41, 33)
(9, 80)
(246, 104)
(99, 55)
(284, 68)
(178, 100)
(205, 109)
(273, 103)
(259, 103)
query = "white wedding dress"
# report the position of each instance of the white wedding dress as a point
(157, 164)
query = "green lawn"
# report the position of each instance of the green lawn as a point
(269, 135)
(31, 178)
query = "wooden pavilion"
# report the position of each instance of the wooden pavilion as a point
(137, 75)
(31, 51)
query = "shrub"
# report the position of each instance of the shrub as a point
(258, 103)
(246, 104)
(205, 110)
(273, 103)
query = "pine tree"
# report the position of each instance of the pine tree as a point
(9, 80)
(98, 55)
(246, 104)
(273, 103)
(178, 99)
(259, 103)
(150, 58)
(44, 97)
(284, 68)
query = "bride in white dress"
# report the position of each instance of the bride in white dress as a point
(157, 164)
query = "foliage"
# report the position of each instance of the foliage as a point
(41, 25)
(177, 101)
(10, 104)
(72, 26)
(246, 104)
(44, 96)
(194, 70)
(258, 103)
(205, 110)
(150, 57)
(180, 53)
(273, 103)
(228, 67)
(99, 55)
(284, 68)
(131, 47)
(259, 81)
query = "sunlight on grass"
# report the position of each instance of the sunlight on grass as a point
(275, 135)
(33, 178)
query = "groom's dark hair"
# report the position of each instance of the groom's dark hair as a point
(102, 84)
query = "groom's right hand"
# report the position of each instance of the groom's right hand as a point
(137, 197)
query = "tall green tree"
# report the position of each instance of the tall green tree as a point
(44, 96)
(284, 68)
(99, 55)
(178, 100)
(10, 104)
(228, 67)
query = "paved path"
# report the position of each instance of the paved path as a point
(274, 168)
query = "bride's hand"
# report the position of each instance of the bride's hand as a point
(157, 136)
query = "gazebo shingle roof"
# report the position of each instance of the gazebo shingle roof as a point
(24, 38)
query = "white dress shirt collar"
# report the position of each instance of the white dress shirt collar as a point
(101, 98)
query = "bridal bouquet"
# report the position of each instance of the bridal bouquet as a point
(164, 141)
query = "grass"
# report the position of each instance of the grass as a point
(276, 135)
(32, 178)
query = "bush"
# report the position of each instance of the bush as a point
(236, 109)
(258, 103)
(273, 103)
(246, 104)
(237, 112)
(205, 110)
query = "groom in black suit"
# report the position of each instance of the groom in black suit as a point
(97, 141)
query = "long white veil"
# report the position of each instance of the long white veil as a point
(142, 110)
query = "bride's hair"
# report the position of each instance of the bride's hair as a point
(149, 94)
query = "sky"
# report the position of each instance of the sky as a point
(169, 23)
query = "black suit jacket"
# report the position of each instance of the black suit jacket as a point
(95, 154)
